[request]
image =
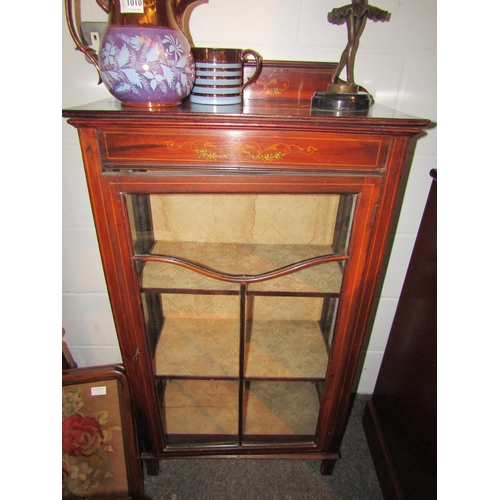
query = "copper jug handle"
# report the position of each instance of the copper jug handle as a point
(88, 51)
(104, 6)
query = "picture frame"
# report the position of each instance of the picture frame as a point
(100, 450)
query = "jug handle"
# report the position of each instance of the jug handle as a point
(104, 6)
(182, 12)
(88, 51)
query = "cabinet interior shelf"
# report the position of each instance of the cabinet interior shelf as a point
(277, 349)
(241, 258)
(270, 408)
(244, 260)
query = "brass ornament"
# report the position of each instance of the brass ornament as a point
(346, 96)
(355, 16)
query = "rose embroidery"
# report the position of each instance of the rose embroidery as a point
(89, 440)
(81, 435)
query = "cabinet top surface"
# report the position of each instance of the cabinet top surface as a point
(281, 97)
(252, 110)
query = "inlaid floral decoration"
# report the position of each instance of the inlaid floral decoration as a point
(88, 443)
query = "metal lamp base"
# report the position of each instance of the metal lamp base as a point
(341, 103)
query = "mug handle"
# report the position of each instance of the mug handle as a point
(258, 61)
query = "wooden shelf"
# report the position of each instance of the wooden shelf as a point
(242, 259)
(170, 277)
(198, 348)
(285, 349)
(210, 407)
(201, 407)
(280, 408)
(210, 348)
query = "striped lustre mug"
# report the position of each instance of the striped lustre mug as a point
(219, 75)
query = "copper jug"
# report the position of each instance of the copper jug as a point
(145, 57)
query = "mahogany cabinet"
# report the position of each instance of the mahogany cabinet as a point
(400, 420)
(241, 248)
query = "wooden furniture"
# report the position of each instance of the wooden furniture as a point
(241, 250)
(401, 418)
(67, 359)
(100, 450)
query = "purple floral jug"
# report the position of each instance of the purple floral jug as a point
(145, 58)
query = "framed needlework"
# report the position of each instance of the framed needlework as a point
(100, 453)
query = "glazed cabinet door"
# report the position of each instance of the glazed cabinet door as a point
(245, 293)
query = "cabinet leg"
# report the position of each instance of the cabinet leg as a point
(327, 467)
(152, 466)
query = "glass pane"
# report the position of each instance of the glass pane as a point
(179, 300)
(199, 337)
(319, 279)
(343, 223)
(269, 219)
(284, 338)
(197, 356)
(288, 338)
(241, 233)
(207, 247)
(280, 411)
(328, 318)
(201, 411)
(141, 222)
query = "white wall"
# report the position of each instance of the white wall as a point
(396, 62)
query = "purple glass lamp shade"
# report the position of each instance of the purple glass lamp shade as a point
(146, 66)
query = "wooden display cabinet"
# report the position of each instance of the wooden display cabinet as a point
(241, 249)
